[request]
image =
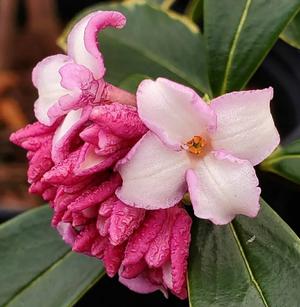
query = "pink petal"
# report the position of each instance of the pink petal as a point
(139, 284)
(159, 249)
(61, 173)
(35, 132)
(46, 78)
(106, 206)
(112, 259)
(68, 130)
(173, 111)
(96, 194)
(121, 120)
(180, 243)
(124, 221)
(138, 244)
(133, 270)
(85, 239)
(245, 125)
(67, 232)
(99, 246)
(82, 40)
(153, 175)
(89, 162)
(109, 143)
(82, 87)
(90, 134)
(222, 186)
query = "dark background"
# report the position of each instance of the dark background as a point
(281, 70)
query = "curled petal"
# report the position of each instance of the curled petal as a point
(82, 40)
(222, 186)
(245, 125)
(153, 175)
(81, 86)
(174, 112)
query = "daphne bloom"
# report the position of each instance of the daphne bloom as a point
(209, 150)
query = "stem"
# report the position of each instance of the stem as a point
(112, 94)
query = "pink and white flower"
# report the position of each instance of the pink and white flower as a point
(206, 149)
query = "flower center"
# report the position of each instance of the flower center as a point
(196, 145)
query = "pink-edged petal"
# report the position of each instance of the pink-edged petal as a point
(67, 130)
(245, 125)
(153, 175)
(173, 111)
(46, 78)
(222, 186)
(82, 88)
(82, 40)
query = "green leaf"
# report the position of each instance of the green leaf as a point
(36, 265)
(132, 82)
(154, 42)
(194, 10)
(291, 33)
(239, 35)
(250, 262)
(285, 162)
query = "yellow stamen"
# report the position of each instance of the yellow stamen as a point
(196, 145)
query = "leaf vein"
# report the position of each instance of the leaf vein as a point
(249, 270)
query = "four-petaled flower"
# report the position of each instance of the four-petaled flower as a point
(207, 149)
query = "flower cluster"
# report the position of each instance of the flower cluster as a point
(115, 167)
(85, 126)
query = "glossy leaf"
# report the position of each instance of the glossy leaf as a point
(285, 162)
(37, 266)
(239, 35)
(291, 33)
(132, 82)
(154, 42)
(194, 10)
(251, 262)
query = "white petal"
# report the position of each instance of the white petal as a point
(174, 112)
(222, 186)
(46, 78)
(153, 175)
(245, 126)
